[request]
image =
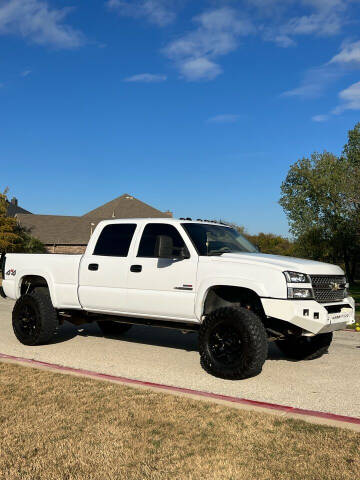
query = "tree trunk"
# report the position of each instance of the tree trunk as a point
(353, 267)
(348, 269)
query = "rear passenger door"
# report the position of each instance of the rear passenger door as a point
(162, 287)
(103, 274)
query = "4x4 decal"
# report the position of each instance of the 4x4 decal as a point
(11, 272)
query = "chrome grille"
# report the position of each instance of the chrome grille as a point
(328, 288)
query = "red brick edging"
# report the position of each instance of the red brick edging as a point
(189, 391)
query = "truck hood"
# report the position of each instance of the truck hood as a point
(279, 262)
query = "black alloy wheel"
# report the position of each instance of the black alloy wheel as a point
(34, 318)
(225, 345)
(27, 322)
(232, 343)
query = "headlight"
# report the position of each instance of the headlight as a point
(300, 293)
(295, 277)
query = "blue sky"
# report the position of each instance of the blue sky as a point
(197, 107)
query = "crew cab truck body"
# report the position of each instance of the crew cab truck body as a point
(189, 275)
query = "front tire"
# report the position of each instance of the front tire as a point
(232, 343)
(305, 348)
(34, 319)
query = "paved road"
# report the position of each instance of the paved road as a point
(329, 384)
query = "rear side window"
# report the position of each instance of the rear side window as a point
(151, 232)
(115, 240)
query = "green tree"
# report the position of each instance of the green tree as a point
(273, 244)
(13, 238)
(31, 244)
(267, 242)
(315, 245)
(10, 240)
(318, 199)
(352, 153)
(351, 150)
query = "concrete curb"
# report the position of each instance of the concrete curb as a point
(311, 416)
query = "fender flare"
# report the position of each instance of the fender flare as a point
(38, 273)
(207, 284)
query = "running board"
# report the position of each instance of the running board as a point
(80, 318)
(186, 327)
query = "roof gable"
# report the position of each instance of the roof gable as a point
(126, 206)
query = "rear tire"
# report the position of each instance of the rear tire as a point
(34, 319)
(305, 348)
(232, 343)
(109, 327)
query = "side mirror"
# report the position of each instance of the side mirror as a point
(184, 253)
(164, 247)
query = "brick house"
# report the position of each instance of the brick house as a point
(67, 234)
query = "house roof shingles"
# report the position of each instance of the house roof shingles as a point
(67, 230)
(57, 229)
(13, 210)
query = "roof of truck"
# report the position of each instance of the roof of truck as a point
(161, 220)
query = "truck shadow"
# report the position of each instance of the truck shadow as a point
(155, 336)
(146, 335)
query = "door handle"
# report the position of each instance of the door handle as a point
(93, 266)
(136, 268)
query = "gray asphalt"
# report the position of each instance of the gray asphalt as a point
(329, 384)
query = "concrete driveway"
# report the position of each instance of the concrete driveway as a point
(329, 384)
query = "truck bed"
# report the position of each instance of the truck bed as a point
(60, 271)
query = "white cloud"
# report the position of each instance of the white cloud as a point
(35, 20)
(146, 78)
(317, 79)
(225, 118)
(268, 6)
(283, 40)
(159, 12)
(325, 5)
(350, 99)
(314, 82)
(320, 24)
(217, 33)
(25, 73)
(202, 68)
(320, 118)
(316, 17)
(348, 55)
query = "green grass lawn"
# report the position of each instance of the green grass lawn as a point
(61, 427)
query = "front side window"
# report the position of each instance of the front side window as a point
(217, 239)
(149, 237)
(115, 240)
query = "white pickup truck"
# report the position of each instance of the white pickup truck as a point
(188, 275)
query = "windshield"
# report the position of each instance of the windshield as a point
(216, 239)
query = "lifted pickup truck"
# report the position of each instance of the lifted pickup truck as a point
(188, 275)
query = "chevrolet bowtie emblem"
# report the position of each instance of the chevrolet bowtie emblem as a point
(335, 286)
